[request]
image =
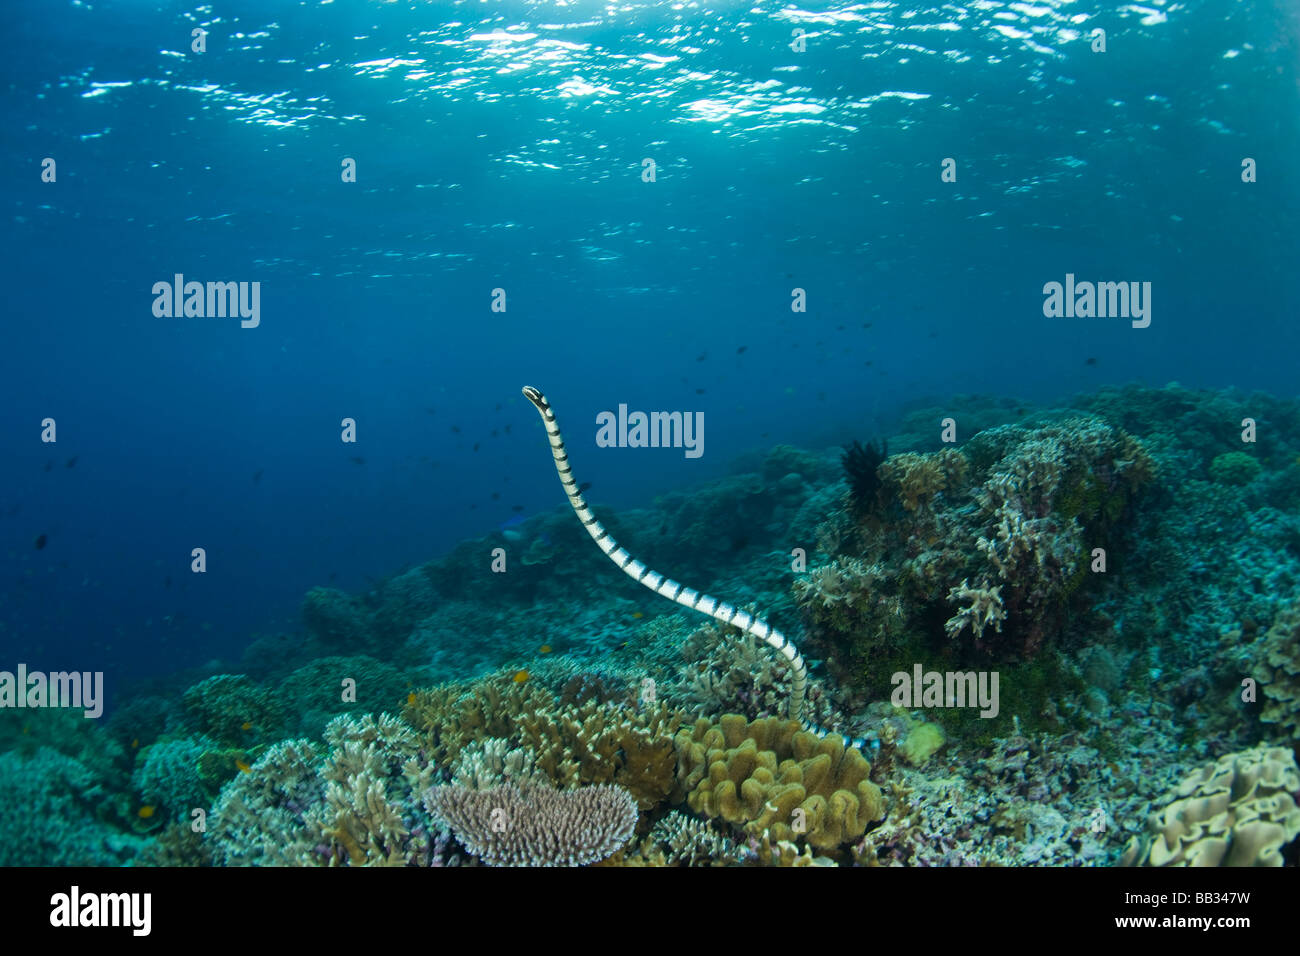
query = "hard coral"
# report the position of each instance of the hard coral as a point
(575, 744)
(915, 479)
(536, 826)
(355, 804)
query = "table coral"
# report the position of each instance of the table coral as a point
(757, 774)
(534, 825)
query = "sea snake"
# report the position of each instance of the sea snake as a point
(669, 588)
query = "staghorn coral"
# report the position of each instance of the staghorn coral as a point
(757, 774)
(355, 804)
(492, 762)
(985, 608)
(1278, 671)
(681, 840)
(1239, 811)
(536, 826)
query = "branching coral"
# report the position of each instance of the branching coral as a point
(536, 826)
(574, 744)
(357, 804)
(915, 479)
(984, 609)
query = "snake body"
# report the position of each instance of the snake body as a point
(665, 586)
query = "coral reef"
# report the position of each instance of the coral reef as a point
(1017, 511)
(231, 709)
(1239, 811)
(511, 825)
(357, 803)
(1278, 671)
(51, 814)
(313, 694)
(1234, 468)
(677, 839)
(770, 777)
(573, 744)
(167, 776)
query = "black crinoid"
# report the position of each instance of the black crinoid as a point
(860, 464)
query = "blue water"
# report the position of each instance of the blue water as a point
(501, 146)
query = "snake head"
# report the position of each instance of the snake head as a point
(536, 397)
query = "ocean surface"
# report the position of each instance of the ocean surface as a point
(799, 224)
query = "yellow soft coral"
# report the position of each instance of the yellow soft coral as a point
(772, 778)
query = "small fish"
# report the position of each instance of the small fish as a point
(1090, 361)
(49, 466)
(699, 391)
(167, 582)
(246, 725)
(243, 767)
(741, 349)
(638, 615)
(582, 488)
(507, 429)
(498, 408)
(40, 541)
(516, 508)
(27, 728)
(496, 496)
(146, 811)
(134, 743)
(410, 698)
(476, 444)
(72, 462)
(702, 356)
(521, 676)
(456, 429)
(544, 649)
(257, 475)
(357, 460)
